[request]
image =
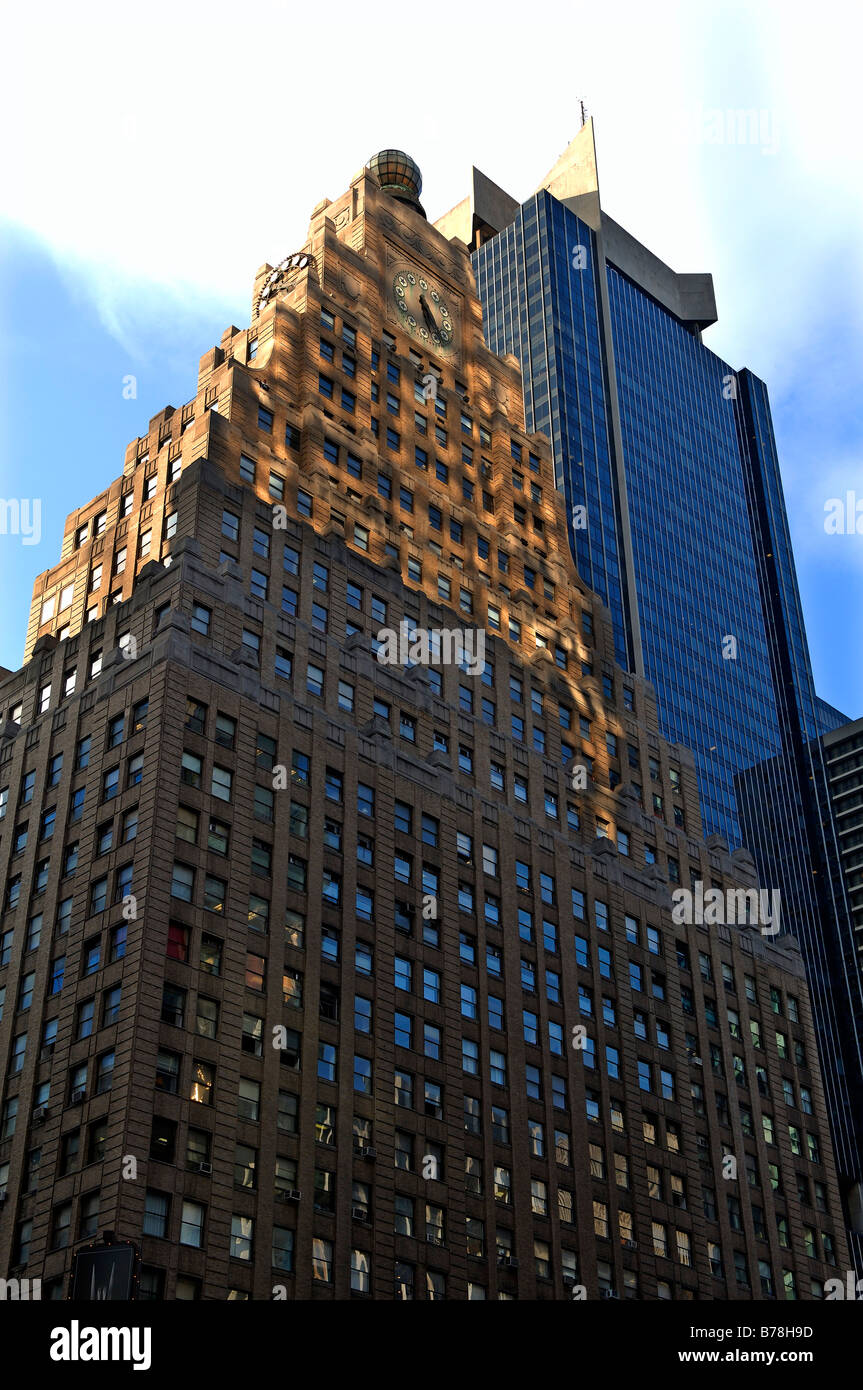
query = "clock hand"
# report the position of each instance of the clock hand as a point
(427, 314)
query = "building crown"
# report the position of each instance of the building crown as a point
(398, 175)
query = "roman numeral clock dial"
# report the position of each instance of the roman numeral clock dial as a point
(423, 310)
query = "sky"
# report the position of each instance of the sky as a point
(155, 157)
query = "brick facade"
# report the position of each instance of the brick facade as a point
(506, 1162)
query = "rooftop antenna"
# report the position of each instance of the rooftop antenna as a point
(583, 113)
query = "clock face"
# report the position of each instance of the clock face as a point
(280, 278)
(424, 311)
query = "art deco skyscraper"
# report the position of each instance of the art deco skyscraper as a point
(326, 975)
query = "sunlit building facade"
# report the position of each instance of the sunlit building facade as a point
(326, 974)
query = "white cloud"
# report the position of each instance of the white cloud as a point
(163, 152)
(179, 146)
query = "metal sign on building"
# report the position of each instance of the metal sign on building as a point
(105, 1271)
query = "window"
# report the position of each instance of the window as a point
(242, 1232)
(155, 1213)
(111, 1005)
(200, 620)
(104, 1072)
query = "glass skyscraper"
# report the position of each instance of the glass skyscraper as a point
(667, 459)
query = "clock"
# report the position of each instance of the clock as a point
(280, 278)
(423, 310)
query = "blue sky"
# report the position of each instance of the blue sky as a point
(185, 145)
